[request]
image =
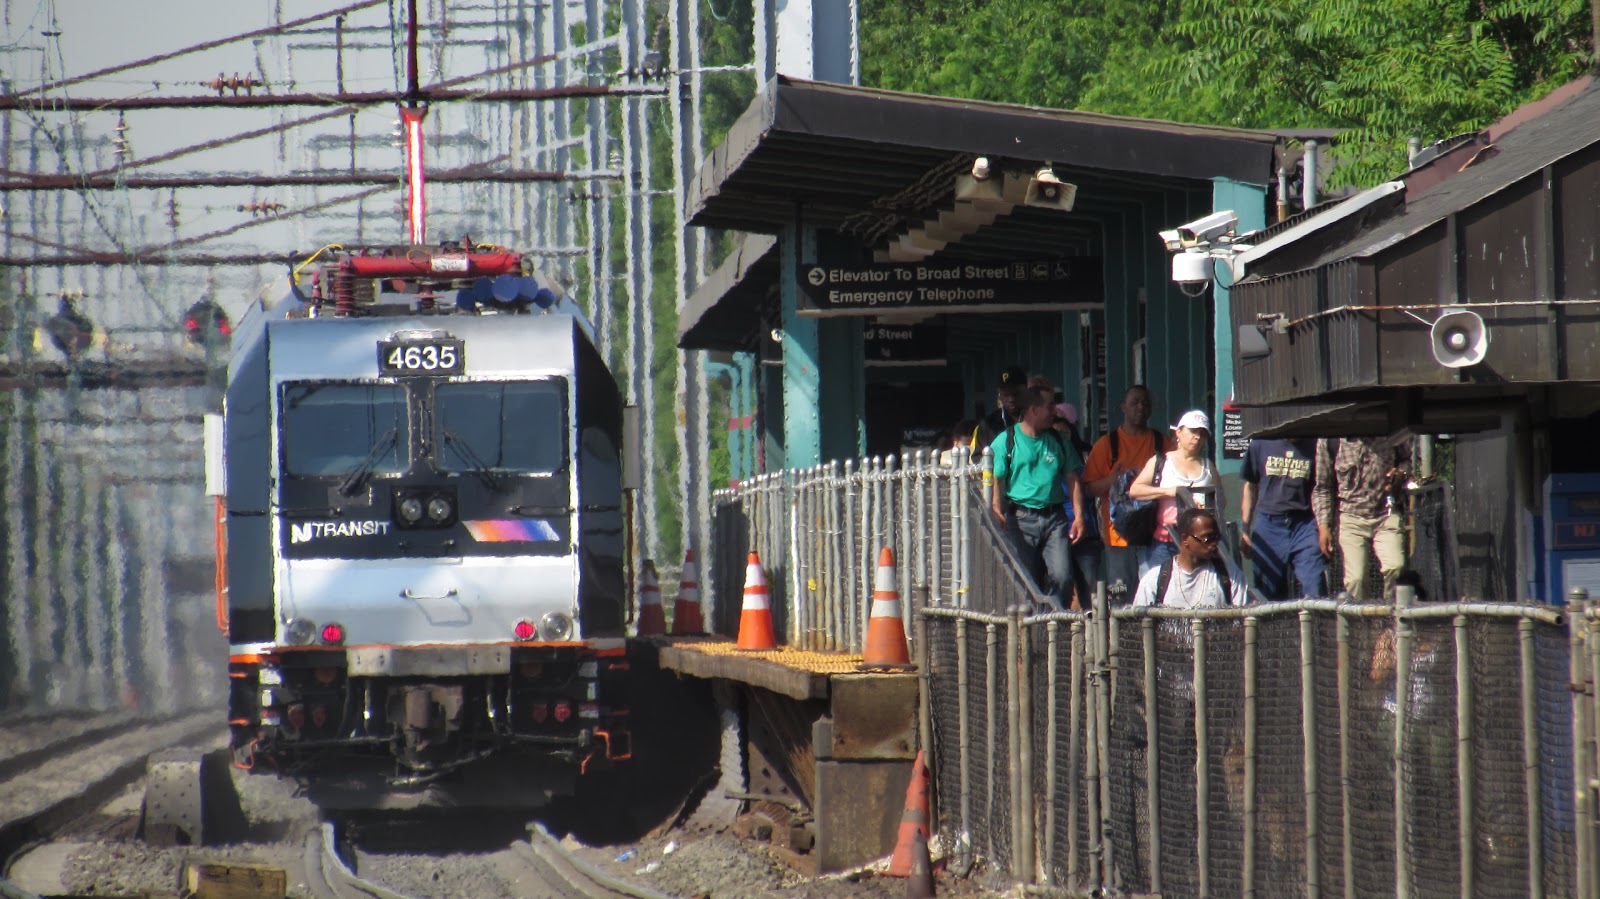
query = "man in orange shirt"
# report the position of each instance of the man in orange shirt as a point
(1130, 446)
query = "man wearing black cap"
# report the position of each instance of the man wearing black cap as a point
(1008, 408)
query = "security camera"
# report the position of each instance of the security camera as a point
(1191, 271)
(1205, 230)
(1171, 239)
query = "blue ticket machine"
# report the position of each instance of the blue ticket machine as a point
(1571, 535)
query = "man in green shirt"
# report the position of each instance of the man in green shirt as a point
(1033, 470)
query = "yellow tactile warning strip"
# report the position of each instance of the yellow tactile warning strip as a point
(801, 659)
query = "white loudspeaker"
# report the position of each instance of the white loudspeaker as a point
(1046, 191)
(1460, 338)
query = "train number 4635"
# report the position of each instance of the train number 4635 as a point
(426, 357)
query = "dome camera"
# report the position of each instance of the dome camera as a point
(1191, 272)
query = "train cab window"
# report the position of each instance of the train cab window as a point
(335, 429)
(517, 426)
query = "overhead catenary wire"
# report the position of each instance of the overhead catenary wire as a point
(196, 48)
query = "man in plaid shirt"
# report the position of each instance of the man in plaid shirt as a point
(1359, 480)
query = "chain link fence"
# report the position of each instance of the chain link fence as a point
(1277, 749)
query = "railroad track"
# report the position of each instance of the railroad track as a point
(68, 776)
(539, 866)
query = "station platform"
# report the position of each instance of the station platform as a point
(795, 673)
(829, 746)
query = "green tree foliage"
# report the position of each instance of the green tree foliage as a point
(1381, 71)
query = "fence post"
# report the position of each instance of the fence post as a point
(922, 656)
(1202, 768)
(1404, 595)
(1530, 761)
(964, 751)
(1464, 739)
(991, 664)
(1343, 625)
(1592, 739)
(1075, 728)
(1248, 852)
(835, 558)
(1152, 754)
(1022, 739)
(1104, 652)
(848, 560)
(1582, 738)
(1308, 727)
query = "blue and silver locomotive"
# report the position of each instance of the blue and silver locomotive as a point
(425, 535)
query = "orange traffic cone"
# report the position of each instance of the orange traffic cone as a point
(652, 622)
(913, 822)
(755, 621)
(686, 611)
(886, 633)
(919, 884)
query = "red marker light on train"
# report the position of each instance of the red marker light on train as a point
(563, 712)
(333, 633)
(523, 630)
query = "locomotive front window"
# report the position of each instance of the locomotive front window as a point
(337, 429)
(516, 426)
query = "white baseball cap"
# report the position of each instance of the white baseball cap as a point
(1194, 420)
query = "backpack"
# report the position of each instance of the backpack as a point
(1164, 577)
(1134, 519)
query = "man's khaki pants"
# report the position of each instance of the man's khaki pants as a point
(1383, 534)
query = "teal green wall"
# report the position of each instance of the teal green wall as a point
(1249, 203)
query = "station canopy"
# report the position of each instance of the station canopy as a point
(883, 169)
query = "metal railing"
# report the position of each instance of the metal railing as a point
(818, 531)
(1313, 747)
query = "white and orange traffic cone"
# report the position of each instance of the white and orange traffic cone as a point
(686, 617)
(886, 633)
(755, 620)
(652, 620)
(913, 821)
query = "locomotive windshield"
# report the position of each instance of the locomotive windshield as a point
(337, 429)
(517, 426)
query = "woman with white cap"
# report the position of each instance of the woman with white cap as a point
(1187, 466)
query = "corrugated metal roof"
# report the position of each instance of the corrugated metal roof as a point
(1515, 154)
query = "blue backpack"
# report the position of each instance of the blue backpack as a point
(1134, 519)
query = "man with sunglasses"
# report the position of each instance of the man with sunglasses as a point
(1197, 577)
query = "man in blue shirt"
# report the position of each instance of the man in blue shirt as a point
(1278, 475)
(1031, 464)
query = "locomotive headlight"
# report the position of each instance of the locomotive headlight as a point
(439, 509)
(300, 631)
(411, 509)
(555, 626)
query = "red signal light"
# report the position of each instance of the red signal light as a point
(333, 633)
(563, 712)
(206, 322)
(523, 630)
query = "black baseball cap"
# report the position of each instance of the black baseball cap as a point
(1015, 376)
